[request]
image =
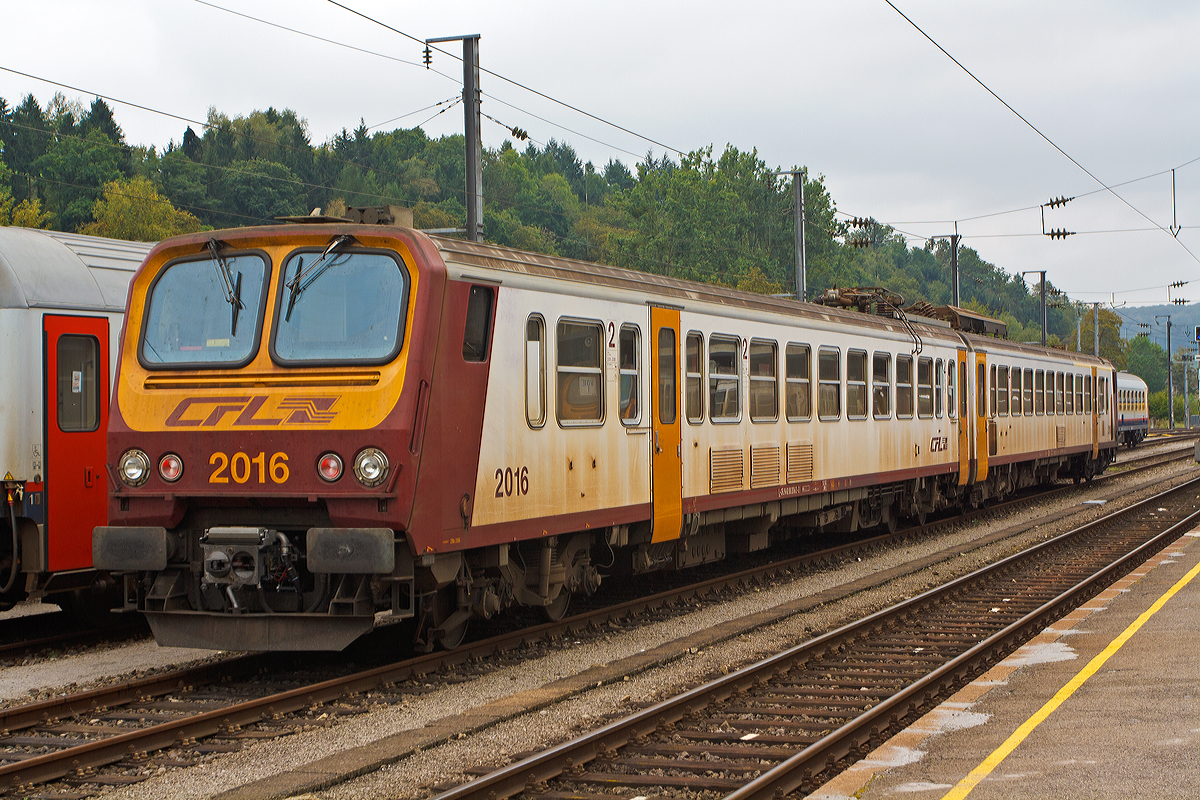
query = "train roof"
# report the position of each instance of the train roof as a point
(50, 269)
(466, 254)
(1128, 379)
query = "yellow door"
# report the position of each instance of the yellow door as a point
(981, 418)
(964, 420)
(666, 440)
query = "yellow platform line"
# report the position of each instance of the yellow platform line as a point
(990, 763)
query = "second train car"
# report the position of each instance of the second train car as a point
(318, 428)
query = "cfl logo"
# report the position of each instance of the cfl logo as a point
(939, 444)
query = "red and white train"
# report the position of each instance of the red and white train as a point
(62, 296)
(1133, 410)
(320, 427)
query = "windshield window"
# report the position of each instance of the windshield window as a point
(350, 308)
(190, 318)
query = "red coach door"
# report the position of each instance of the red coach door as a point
(75, 352)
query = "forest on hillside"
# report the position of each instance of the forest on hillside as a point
(720, 217)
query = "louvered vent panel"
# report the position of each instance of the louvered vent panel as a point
(726, 470)
(799, 462)
(764, 465)
(1060, 436)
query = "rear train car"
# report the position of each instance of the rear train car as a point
(319, 428)
(1133, 410)
(62, 296)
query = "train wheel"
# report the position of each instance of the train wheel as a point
(442, 622)
(558, 606)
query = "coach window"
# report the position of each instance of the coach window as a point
(856, 384)
(78, 361)
(1016, 392)
(993, 391)
(580, 373)
(764, 389)
(829, 383)
(925, 387)
(904, 388)
(939, 378)
(798, 388)
(1087, 394)
(667, 372)
(695, 378)
(1059, 403)
(1078, 394)
(1002, 391)
(723, 380)
(1039, 392)
(962, 390)
(629, 392)
(951, 386)
(881, 385)
(1069, 393)
(535, 371)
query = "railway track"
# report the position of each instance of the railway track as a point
(74, 735)
(788, 722)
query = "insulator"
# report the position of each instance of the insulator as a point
(428, 56)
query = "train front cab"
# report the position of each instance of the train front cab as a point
(265, 437)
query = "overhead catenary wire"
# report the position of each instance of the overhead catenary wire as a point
(1035, 129)
(518, 84)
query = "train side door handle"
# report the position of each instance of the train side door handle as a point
(657, 449)
(87, 477)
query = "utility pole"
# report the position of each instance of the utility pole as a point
(1041, 272)
(473, 131)
(1096, 329)
(1170, 378)
(954, 273)
(798, 178)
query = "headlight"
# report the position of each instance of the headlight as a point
(329, 467)
(170, 467)
(134, 467)
(371, 467)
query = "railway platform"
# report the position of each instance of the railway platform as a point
(1103, 704)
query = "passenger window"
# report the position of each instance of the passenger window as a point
(1078, 394)
(723, 401)
(764, 395)
(904, 388)
(1069, 393)
(939, 372)
(798, 390)
(695, 378)
(580, 373)
(829, 383)
(1002, 391)
(667, 393)
(1059, 402)
(629, 392)
(993, 391)
(479, 323)
(951, 395)
(1016, 392)
(856, 384)
(925, 387)
(535, 371)
(881, 385)
(1028, 392)
(1039, 392)
(78, 387)
(1087, 394)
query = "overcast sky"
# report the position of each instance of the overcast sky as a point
(847, 88)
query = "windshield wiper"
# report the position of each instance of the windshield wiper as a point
(305, 277)
(231, 285)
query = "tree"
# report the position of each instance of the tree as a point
(133, 209)
(76, 171)
(26, 214)
(1148, 361)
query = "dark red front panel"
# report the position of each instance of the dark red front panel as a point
(76, 415)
